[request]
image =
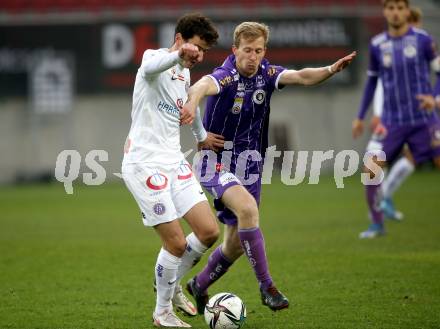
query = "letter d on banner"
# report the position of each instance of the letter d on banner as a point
(117, 45)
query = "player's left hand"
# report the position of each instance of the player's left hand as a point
(357, 128)
(187, 114)
(374, 122)
(212, 142)
(343, 62)
(426, 102)
(380, 130)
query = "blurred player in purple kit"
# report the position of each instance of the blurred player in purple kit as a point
(238, 109)
(402, 168)
(401, 57)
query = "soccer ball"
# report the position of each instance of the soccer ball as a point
(225, 311)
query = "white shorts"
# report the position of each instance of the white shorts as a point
(163, 192)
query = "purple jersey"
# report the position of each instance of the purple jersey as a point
(240, 111)
(403, 64)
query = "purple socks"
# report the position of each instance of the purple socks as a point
(252, 242)
(373, 199)
(217, 265)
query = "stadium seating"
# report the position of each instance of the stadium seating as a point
(42, 6)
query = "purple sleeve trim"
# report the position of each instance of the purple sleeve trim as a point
(369, 90)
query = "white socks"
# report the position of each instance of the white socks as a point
(166, 275)
(398, 173)
(170, 269)
(194, 251)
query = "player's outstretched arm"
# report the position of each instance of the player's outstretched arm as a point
(313, 76)
(369, 90)
(204, 87)
(154, 62)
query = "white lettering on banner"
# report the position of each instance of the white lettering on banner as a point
(99, 171)
(305, 32)
(346, 164)
(117, 45)
(63, 174)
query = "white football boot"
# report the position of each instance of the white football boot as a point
(182, 303)
(169, 319)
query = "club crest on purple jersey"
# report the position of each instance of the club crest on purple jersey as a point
(258, 96)
(387, 59)
(410, 51)
(238, 103)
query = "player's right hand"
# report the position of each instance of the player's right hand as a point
(212, 142)
(375, 121)
(187, 114)
(380, 130)
(357, 128)
(189, 54)
(426, 102)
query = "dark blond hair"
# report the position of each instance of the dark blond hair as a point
(251, 31)
(415, 15)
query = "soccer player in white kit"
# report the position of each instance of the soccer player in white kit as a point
(155, 170)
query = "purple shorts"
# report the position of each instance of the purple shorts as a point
(423, 141)
(219, 183)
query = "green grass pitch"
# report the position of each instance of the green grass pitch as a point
(86, 261)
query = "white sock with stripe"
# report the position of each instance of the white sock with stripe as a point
(398, 173)
(166, 276)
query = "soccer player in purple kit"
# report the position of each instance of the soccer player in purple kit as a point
(238, 108)
(401, 57)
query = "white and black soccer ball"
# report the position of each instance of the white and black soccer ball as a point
(225, 311)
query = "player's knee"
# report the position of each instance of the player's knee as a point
(248, 214)
(210, 236)
(437, 162)
(176, 247)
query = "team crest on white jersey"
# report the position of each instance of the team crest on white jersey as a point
(410, 51)
(258, 96)
(159, 208)
(179, 103)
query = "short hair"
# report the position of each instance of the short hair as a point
(415, 15)
(386, 2)
(193, 24)
(251, 31)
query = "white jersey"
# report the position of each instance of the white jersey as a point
(159, 93)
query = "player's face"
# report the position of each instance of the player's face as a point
(396, 13)
(199, 43)
(249, 55)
